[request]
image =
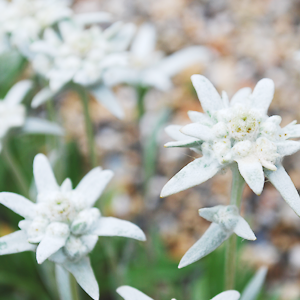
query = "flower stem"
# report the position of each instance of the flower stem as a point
(83, 94)
(237, 188)
(141, 92)
(15, 168)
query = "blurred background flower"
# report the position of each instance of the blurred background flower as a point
(247, 41)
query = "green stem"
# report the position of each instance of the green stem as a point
(237, 188)
(141, 92)
(83, 94)
(15, 168)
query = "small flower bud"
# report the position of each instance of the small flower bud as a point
(75, 248)
(36, 230)
(85, 221)
(58, 229)
(241, 149)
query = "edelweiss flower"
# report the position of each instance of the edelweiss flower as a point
(81, 56)
(63, 226)
(24, 20)
(130, 293)
(236, 132)
(13, 114)
(150, 68)
(225, 221)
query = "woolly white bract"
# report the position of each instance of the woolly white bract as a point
(225, 221)
(236, 132)
(130, 293)
(13, 114)
(63, 226)
(81, 56)
(24, 20)
(150, 68)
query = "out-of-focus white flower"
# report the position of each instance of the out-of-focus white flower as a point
(225, 221)
(150, 68)
(237, 132)
(81, 56)
(13, 114)
(63, 226)
(24, 20)
(130, 293)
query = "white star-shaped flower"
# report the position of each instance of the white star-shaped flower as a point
(81, 56)
(150, 68)
(130, 293)
(225, 221)
(239, 131)
(13, 114)
(63, 226)
(24, 20)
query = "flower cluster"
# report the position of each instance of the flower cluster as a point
(13, 114)
(82, 56)
(63, 226)
(148, 67)
(23, 21)
(238, 131)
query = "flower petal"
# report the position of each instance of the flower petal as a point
(283, 183)
(41, 126)
(17, 93)
(84, 275)
(144, 42)
(196, 172)
(291, 130)
(93, 183)
(227, 295)
(180, 60)
(43, 174)
(208, 212)
(198, 131)
(263, 94)
(189, 143)
(130, 293)
(15, 242)
(107, 98)
(213, 237)
(109, 226)
(18, 204)
(66, 186)
(59, 257)
(55, 238)
(243, 230)
(253, 288)
(198, 117)
(174, 132)
(91, 18)
(252, 171)
(63, 283)
(41, 97)
(240, 96)
(287, 147)
(207, 94)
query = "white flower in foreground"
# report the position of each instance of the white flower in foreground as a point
(130, 293)
(236, 132)
(225, 221)
(63, 226)
(24, 20)
(13, 114)
(81, 56)
(150, 68)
